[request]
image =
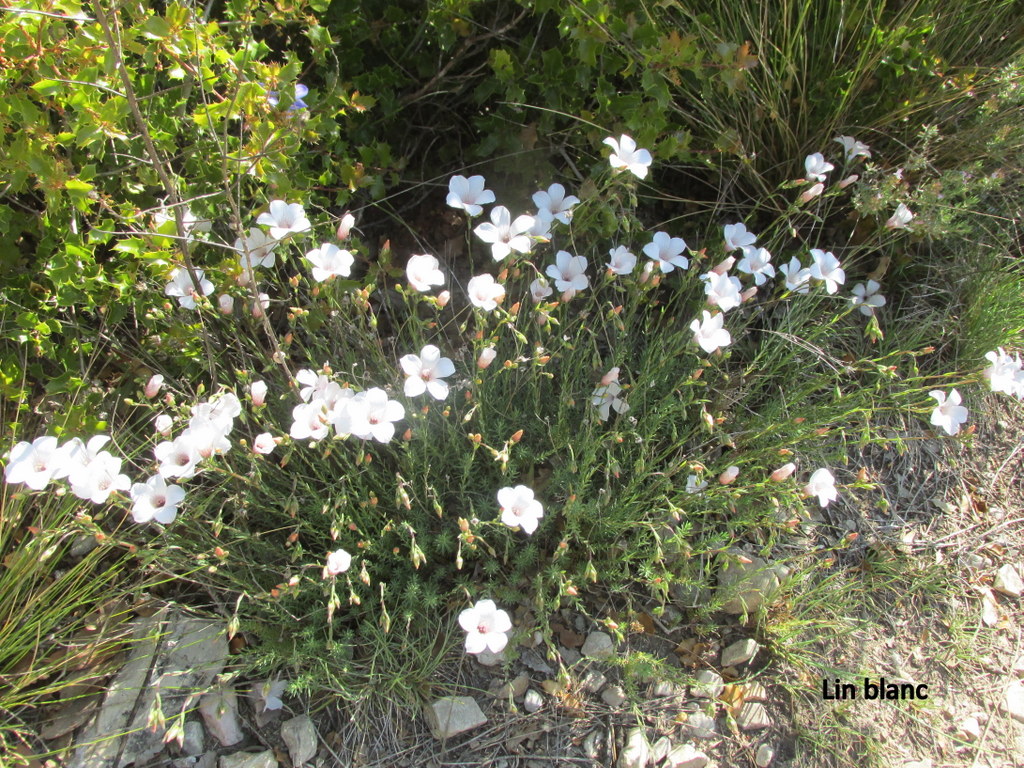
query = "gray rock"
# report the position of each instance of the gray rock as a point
(739, 652)
(666, 688)
(745, 586)
(702, 726)
(220, 713)
(1008, 581)
(195, 738)
(299, 735)
(569, 655)
(685, 756)
(532, 701)
(514, 689)
(1013, 701)
(753, 717)
(765, 755)
(709, 684)
(689, 595)
(490, 659)
(452, 715)
(249, 760)
(598, 645)
(636, 752)
(593, 681)
(592, 744)
(613, 696)
(660, 750)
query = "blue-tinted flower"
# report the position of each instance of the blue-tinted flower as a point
(301, 92)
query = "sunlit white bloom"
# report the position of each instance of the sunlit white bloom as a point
(208, 437)
(338, 562)
(188, 220)
(540, 290)
(541, 229)
(104, 477)
(823, 485)
(1005, 374)
(76, 458)
(33, 463)
(260, 249)
(710, 332)
(853, 148)
(258, 393)
(867, 298)
(816, 166)
(606, 397)
(693, 485)
(268, 693)
(284, 219)
(626, 157)
(377, 415)
(555, 202)
(309, 421)
(425, 373)
(737, 236)
(623, 262)
(177, 458)
(667, 252)
(798, 278)
(948, 414)
(826, 268)
(342, 405)
(568, 272)
(486, 626)
(504, 234)
(226, 303)
(756, 262)
(163, 423)
(330, 261)
(423, 271)
(155, 500)
(722, 291)
(901, 218)
(314, 384)
(484, 292)
(182, 287)
(469, 194)
(519, 508)
(264, 443)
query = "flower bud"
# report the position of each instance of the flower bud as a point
(152, 388)
(345, 226)
(608, 378)
(163, 424)
(729, 475)
(848, 181)
(443, 298)
(812, 193)
(260, 305)
(516, 436)
(226, 303)
(486, 358)
(782, 472)
(748, 294)
(258, 392)
(723, 266)
(645, 273)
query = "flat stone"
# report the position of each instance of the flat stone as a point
(970, 728)
(709, 684)
(666, 688)
(195, 738)
(753, 717)
(515, 689)
(660, 750)
(1008, 581)
(746, 585)
(489, 658)
(452, 715)
(636, 752)
(570, 656)
(755, 692)
(685, 756)
(592, 744)
(739, 652)
(613, 696)
(702, 726)
(764, 756)
(299, 735)
(1013, 702)
(220, 713)
(689, 595)
(598, 645)
(532, 701)
(249, 760)
(593, 681)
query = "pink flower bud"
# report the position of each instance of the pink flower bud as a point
(848, 181)
(443, 298)
(748, 294)
(645, 273)
(729, 475)
(724, 266)
(608, 378)
(226, 303)
(258, 392)
(345, 226)
(782, 472)
(812, 193)
(152, 388)
(258, 306)
(163, 424)
(486, 357)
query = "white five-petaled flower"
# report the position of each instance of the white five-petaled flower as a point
(177, 458)
(826, 268)
(375, 416)
(310, 421)
(798, 278)
(504, 234)
(188, 220)
(330, 261)
(867, 298)
(33, 463)
(519, 508)
(823, 485)
(722, 291)
(541, 229)
(264, 443)
(338, 562)
(258, 248)
(1006, 374)
(269, 692)
(484, 292)
(901, 218)
(469, 194)
(710, 332)
(155, 500)
(426, 373)
(540, 289)
(623, 262)
(606, 397)
(423, 271)
(184, 289)
(486, 627)
(756, 262)
(948, 414)
(568, 272)
(852, 147)
(284, 219)
(103, 478)
(667, 251)
(737, 236)
(626, 157)
(816, 167)
(555, 202)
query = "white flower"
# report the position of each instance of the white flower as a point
(568, 272)
(258, 305)
(375, 416)
(207, 436)
(519, 508)
(722, 290)
(623, 262)
(710, 333)
(181, 286)
(852, 147)
(540, 290)
(309, 421)
(264, 443)
(486, 357)
(816, 166)
(555, 203)
(867, 298)
(826, 267)
(75, 457)
(469, 194)
(103, 478)
(330, 261)
(756, 262)
(797, 278)
(155, 500)
(425, 373)
(484, 292)
(269, 692)
(284, 219)
(486, 626)
(737, 236)
(823, 485)
(163, 423)
(901, 218)
(541, 229)
(313, 384)
(258, 393)
(33, 464)
(423, 271)
(188, 219)
(177, 458)
(626, 157)
(1005, 374)
(338, 562)
(667, 252)
(504, 234)
(345, 225)
(948, 414)
(260, 249)
(607, 397)
(693, 485)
